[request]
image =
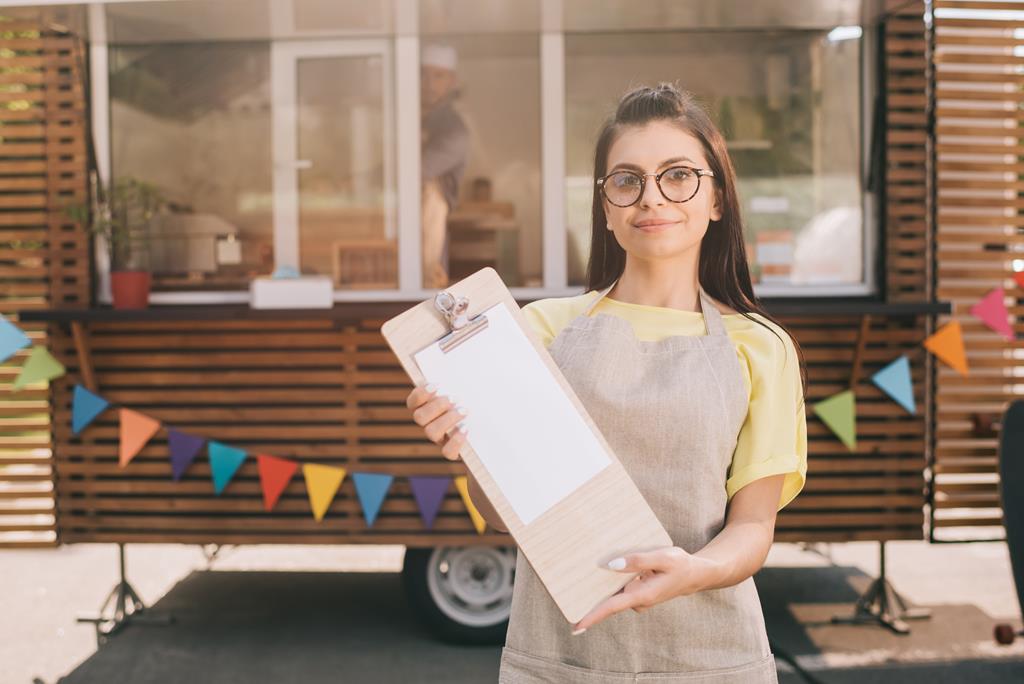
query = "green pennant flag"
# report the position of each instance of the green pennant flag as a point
(40, 366)
(839, 413)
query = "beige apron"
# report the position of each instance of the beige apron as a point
(671, 411)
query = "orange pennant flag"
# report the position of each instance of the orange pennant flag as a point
(948, 344)
(462, 484)
(136, 431)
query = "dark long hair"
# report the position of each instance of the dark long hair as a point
(723, 271)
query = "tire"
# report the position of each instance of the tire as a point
(461, 594)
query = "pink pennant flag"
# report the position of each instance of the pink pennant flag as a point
(992, 312)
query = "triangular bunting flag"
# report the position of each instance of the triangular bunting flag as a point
(948, 344)
(224, 463)
(429, 493)
(992, 312)
(85, 408)
(371, 488)
(40, 366)
(322, 482)
(11, 339)
(184, 449)
(895, 381)
(136, 431)
(839, 413)
(462, 484)
(275, 474)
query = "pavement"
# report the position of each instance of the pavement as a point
(337, 614)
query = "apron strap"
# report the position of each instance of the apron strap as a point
(597, 300)
(712, 316)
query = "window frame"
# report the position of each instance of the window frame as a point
(404, 50)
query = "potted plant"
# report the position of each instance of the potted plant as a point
(122, 217)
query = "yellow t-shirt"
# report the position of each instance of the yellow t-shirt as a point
(773, 438)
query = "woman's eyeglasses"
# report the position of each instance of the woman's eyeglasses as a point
(676, 183)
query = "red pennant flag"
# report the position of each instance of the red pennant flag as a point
(1019, 277)
(275, 474)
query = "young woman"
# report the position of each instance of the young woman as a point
(697, 390)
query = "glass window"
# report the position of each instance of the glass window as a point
(789, 105)
(193, 120)
(212, 148)
(340, 168)
(481, 157)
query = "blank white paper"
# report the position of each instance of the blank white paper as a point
(520, 422)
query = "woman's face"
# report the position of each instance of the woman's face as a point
(654, 227)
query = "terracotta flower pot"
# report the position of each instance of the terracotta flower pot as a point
(130, 289)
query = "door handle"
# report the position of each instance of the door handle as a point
(298, 164)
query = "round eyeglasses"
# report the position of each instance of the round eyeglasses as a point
(676, 183)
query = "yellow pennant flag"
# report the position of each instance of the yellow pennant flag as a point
(136, 431)
(462, 484)
(322, 484)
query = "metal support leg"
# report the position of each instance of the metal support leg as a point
(122, 606)
(881, 604)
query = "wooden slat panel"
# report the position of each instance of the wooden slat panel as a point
(49, 140)
(906, 153)
(979, 213)
(346, 415)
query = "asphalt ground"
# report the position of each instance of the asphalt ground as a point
(338, 614)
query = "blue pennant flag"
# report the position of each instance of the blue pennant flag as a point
(11, 339)
(895, 381)
(224, 463)
(371, 488)
(85, 408)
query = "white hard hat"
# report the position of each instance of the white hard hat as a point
(437, 55)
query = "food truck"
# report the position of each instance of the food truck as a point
(278, 158)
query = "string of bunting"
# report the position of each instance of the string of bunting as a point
(839, 411)
(40, 365)
(137, 429)
(275, 473)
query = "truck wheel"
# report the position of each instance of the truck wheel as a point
(462, 594)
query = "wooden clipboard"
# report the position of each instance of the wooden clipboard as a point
(570, 543)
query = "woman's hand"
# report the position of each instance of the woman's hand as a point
(442, 422)
(664, 574)
(440, 419)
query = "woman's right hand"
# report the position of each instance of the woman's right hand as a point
(440, 419)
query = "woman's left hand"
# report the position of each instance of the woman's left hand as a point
(664, 574)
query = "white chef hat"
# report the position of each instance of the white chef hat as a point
(437, 55)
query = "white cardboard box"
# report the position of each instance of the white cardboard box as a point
(305, 292)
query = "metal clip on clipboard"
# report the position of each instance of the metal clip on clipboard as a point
(462, 328)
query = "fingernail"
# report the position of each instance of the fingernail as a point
(461, 410)
(431, 388)
(462, 428)
(617, 564)
(577, 632)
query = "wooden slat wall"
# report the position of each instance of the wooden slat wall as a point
(44, 259)
(907, 243)
(979, 166)
(313, 391)
(876, 492)
(319, 392)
